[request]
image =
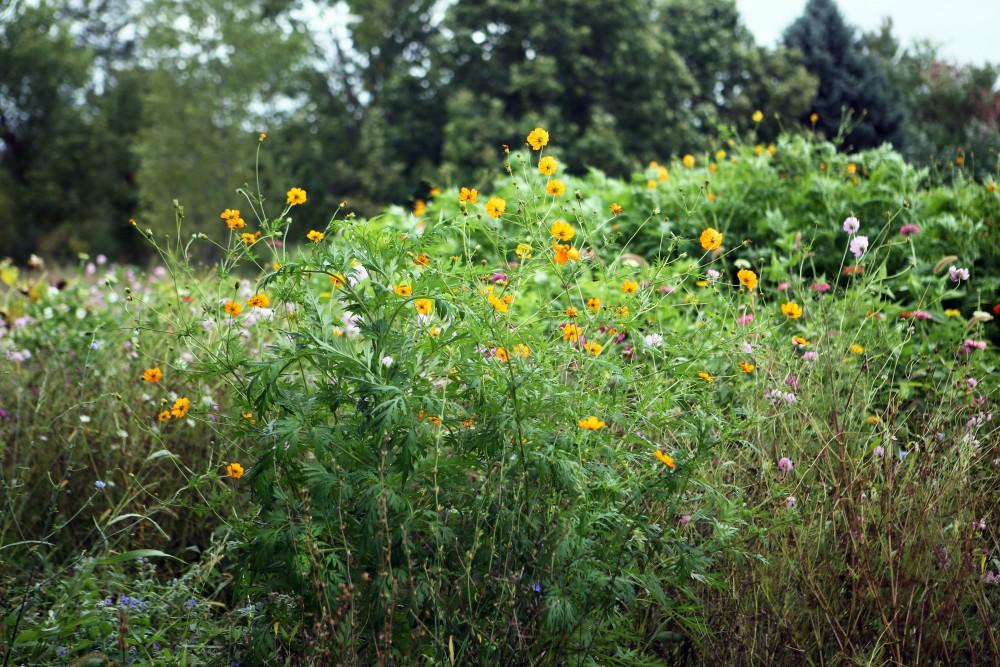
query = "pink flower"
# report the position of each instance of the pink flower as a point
(909, 230)
(957, 275)
(968, 345)
(667, 289)
(879, 451)
(685, 519)
(744, 319)
(971, 382)
(785, 464)
(821, 287)
(810, 355)
(793, 382)
(790, 502)
(852, 225)
(859, 245)
(783, 286)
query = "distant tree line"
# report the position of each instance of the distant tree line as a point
(111, 109)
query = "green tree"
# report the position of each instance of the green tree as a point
(851, 79)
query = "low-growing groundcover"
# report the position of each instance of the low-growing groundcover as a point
(738, 410)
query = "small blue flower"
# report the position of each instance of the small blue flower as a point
(99, 484)
(191, 603)
(62, 652)
(537, 587)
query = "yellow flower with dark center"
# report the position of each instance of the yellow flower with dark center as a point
(164, 416)
(233, 219)
(791, 310)
(571, 332)
(501, 354)
(711, 239)
(337, 279)
(616, 209)
(296, 196)
(857, 349)
(468, 195)
(593, 347)
(248, 238)
(424, 306)
(233, 308)
(548, 165)
(555, 187)
(571, 312)
(747, 278)
(315, 236)
(523, 250)
(688, 161)
(522, 350)
(706, 376)
(800, 341)
(259, 301)
(538, 139)
(665, 459)
(591, 423)
(234, 470)
(152, 375)
(630, 286)
(746, 367)
(952, 312)
(422, 260)
(403, 289)
(180, 407)
(562, 253)
(757, 116)
(434, 332)
(562, 230)
(593, 304)
(499, 305)
(495, 207)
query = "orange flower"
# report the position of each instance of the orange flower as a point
(259, 301)
(468, 195)
(571, 312)
(180, 407)
(501, 354)
(593, 304)
(233, 308)
(152, 375)
(593, 347)
(706, 376)
(616, 209)
(403, 289)
(571, 332)
(746, 367)
(234, 470)
(422, 260)
(665, 459)
(424, 306)
(711, 239)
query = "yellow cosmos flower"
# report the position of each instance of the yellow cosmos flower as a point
(259, 301)
(711, 239)
(555, 187)
(562, 253)
(152, 375)
(630, 286)
(419, 207)
(857, 349)
(233, 308)
(180, 407)
(571, 312)
(403, 289)
(593, 347)
(791, 310)
(468, 195)
(522, 350)
(234, 470)
(758, 150)
(720, 155)
(757, 116)
(164, 416)
(746, 367)
(616, 209)
(571, 333)
(248, 238)
(747, 278)
(813, 117)
(665, 459)
(424, 306)
(873, 419)
(295, 196)
(495, 207)
(499, 305)
(562, 230)
(591, 423)
(688, 161)
(538, 139)
(501, 354)
(523, 250)
(593, 304)
(662, 174)
(952, 312)
(706, 376)
(315, 236)
(548, 165)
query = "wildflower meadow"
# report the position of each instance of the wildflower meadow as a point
(737, 408)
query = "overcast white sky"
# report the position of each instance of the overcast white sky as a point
(967, 30)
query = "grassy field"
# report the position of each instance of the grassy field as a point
(738, 409)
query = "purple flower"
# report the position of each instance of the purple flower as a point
(99, 484)
(62, 651)
(879, 451)
(957, 275)
(685, 519)
(499, 278)
(785, 464)
(535, 586)
(971, 382)
(909, 230)
(851, 225)
(790, 502)
(859, 245)
(810, 355)
(793, 382)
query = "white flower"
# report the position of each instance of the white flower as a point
(387, 361)
(653, 340)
